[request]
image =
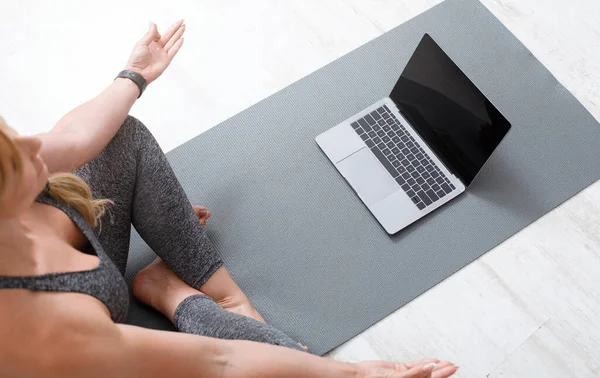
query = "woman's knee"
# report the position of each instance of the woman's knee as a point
(133, 133)
(133, 126)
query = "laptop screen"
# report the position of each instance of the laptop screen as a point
(455, 119)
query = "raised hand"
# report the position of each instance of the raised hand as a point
(153, 53)
(427, 368)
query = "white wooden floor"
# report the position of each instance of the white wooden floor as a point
(529, 308)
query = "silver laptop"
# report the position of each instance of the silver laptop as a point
(412, 152)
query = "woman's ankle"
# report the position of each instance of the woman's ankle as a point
(223, 290)
(159, 287)
(221, 286)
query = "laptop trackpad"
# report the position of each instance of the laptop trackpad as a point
(367, 176)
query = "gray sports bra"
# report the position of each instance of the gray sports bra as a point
(103, 282)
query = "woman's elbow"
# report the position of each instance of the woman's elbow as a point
(64, 153)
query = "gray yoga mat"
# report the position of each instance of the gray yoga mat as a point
(300, 243)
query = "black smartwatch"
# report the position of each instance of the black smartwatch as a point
(135, 77)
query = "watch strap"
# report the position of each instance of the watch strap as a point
(136, 78)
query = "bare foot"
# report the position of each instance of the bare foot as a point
(240, 305)
(159, 287)
(202, 213)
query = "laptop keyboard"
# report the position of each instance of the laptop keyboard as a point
(403, 158)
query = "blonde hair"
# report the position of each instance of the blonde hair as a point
(64, 187)
(72, 190)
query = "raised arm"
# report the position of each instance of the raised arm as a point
(81, 134)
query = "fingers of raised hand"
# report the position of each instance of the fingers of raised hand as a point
(171, 42)
(173, 51)
(170, 33)
(151, 35)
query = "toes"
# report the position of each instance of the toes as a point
(200, 210)
(202, 214)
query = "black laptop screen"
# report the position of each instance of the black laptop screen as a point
(455, 119)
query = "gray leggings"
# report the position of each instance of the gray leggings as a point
(133, 172)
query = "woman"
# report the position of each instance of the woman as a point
(63, 254)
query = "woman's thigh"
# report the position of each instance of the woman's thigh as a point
(111, 175)
(133, 172)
